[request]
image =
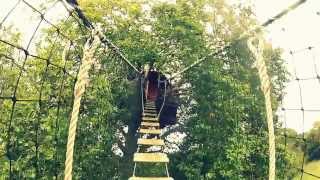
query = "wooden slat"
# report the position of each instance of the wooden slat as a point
(150, 104)
(153, 103)
(150, 114)
(151, 157)
(151, 178)
(150, 131)
(150, 110)
(153, 124)
(151, 142)
(150, 119)
(150, 107)
(153, 112)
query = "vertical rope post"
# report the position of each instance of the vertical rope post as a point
(257, 51)
(82, 80)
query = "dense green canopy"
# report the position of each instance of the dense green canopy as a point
(222, 124)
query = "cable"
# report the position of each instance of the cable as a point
(254, 29)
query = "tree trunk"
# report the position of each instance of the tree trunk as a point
(134, 102)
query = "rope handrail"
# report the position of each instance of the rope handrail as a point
(79, 89)
(257, 52)
(142, 94)
(164, 99)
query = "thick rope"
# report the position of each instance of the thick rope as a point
(260, 64)
(82, 81)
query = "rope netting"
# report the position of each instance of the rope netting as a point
(300, 108)
(303, 88)
(40, 58)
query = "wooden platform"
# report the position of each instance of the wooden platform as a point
(151, 178)
(151, 142)
(151, 157)
(150, 131)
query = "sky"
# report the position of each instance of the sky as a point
(25, 20)
(295, 31)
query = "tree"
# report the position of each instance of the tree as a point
(313, 137)
(222, 111)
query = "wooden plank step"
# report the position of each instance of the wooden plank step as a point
(150, 104)
(151, 142)
(153, 124)
(150, 110)
(150, 119)
(150, 114)
(151, 178)
(150, 107)
(151, 157)
(150, 131)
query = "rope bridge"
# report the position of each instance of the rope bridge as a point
(40, 84)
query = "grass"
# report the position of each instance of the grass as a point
(312, 168)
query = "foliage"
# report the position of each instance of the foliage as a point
(313, 137)
(222, 114)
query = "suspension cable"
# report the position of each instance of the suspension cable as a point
(254, 29)
(283, 12)
(75, 6)
(116, 49)
(199, 62)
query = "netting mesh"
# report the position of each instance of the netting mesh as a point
(30, 97)
(39, 67)
(300, 106)
(38, 70)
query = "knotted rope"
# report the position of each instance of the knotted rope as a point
(260, 64)
(79, 89)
